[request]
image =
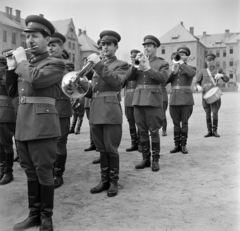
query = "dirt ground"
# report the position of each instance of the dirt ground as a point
(198, 191)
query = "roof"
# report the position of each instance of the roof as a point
(177, 34)
(62, 26)
(4, 19)
(218, 40)
(87, 44)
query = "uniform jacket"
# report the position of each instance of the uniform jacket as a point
(154, 77)
(204, 79)
(63, 103)
(7, 113)
(184, 77)
(109, 77)
(39, 77)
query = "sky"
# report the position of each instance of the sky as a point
(133, 19)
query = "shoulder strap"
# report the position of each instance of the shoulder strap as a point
(210, 75)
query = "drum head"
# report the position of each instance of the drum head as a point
(210, 92)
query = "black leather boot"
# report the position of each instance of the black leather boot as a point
(114, 174)
(8, 170)
(33, 218)
(2, 164)
(155, 156)
(79, 125)
(46, 208)
(139, 142)
(177, 147)
(184, 143)
(134, 139)
(59, 169)
(164, 128)
(104, 165)
(16, 159)
(215, 126)
(209, 127)
(146, 156)
(73, 124)
(92, 146)
(96, 161)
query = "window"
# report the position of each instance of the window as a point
(230, 63)
(13, 38)
(175, 36)
(71, 29)
(231, 50)
(23, 44)
(218, 53)
(70, 56)
(224, 64)
(69, 45)
(163, 50)
(224, 53)
(206, 53)
(217, 64)
(73, 46)
(5, 36)
(73, 58)
(231, 75)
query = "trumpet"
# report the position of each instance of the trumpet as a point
(10, 53)
(75, 84)
(138, 60)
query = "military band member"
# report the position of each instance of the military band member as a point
(181, 98)
(7, 128)
(148, 101)
(63, 106)
(129, 109)
(207, 79)
(37, 126)
(106, 112)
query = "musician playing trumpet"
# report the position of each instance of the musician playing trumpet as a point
(181, 98)
(206, 80)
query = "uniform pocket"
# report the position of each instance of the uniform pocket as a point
(111, 99)
(46, 109)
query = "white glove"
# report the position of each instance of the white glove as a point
(93, 58)
(218, 76)
(199, 88)
(20, 55)
(11, 63)
(144, 62)
(180, 62)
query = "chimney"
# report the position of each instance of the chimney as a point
(192, 30)
(181, 23)
(18, 15)
(10, 12)
(204, 34)
(79, 32)
(7, 10)
(41, 15)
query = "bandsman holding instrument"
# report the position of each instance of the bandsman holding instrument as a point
(37, 83)
(105, 110)
(181, 98)
(149, 74)
(7, 128)
(63, 106)
(129, 109)
(206, 83)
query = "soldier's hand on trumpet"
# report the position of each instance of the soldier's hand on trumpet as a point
(94, 58)
(11, 63)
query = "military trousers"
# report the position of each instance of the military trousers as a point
(148, 119)
(165, 106)
(211, 108)
(129, 113)
(180, 116)
(62, 140)
(6, 134)
(37, 158)
(107, 137)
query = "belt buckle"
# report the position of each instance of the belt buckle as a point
(177, 87)
(95, 94)
(144, 86)
(23, 100)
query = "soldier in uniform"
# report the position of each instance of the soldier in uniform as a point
(129, 109)
(63, 106)
(37, 126)
(7, 128)
(207, 79)
(181, 98)
(106, 112)
(148, 101)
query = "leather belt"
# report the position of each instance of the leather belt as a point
(180, 87)
(106, 93)
(46, 100)
(144, 86)
(130, 90)
(4, 97)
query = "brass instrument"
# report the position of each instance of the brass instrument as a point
(10, 53)
(75, 84)
(137, 61)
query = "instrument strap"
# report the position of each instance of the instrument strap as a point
(210, 75)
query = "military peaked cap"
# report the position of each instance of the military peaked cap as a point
(134, 53)
(65, 54)
(109, 36)
(210, 56)
(184, 50)
(150, 39)
(57, 37)
(3, 61)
